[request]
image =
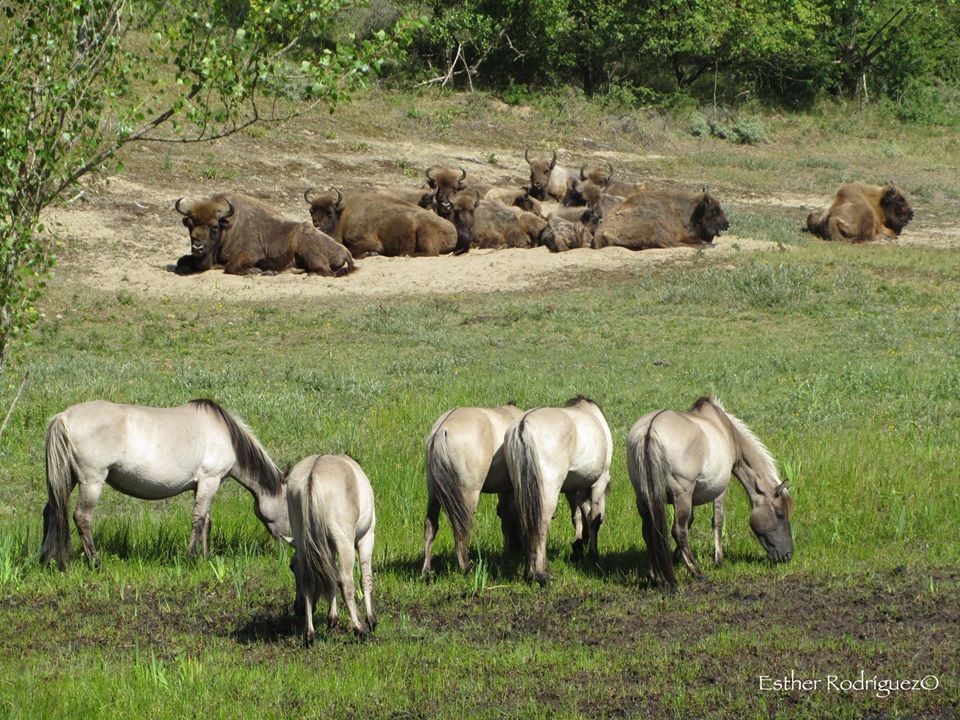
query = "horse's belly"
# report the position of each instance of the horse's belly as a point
(708, 490)
(148, 488)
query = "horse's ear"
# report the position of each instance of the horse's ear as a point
(785, 485)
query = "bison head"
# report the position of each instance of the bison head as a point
(464, 206)
(325, 209)
(528, 203)
(445, 182)
(896, 210)
(594, 174)
(540, 174)
(708, 220)
(207, 221)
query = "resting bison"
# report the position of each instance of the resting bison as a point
(660, 219)
(496, 225)
(602, 177)
(862, 212)
(568, 235)
(248, 237)
(547, 179)
(517, 198)
(380, 223)
(445, 182)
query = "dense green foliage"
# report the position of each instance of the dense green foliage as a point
(787, 52)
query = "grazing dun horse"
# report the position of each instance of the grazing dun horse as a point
(464, 459)
(686, 459)
(330, 502)
(553, 450)
(152, 453)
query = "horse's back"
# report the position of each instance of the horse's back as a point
(148, 452)
(474, 441)
(344, 490)
(573, 444)
(682, 439)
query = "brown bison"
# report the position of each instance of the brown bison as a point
(662, 218)
(496, 225)
(862, 212)
(547, 179)
(568, 235)
(368, 223)
(247, 237)
(520, 198)
(603, 177)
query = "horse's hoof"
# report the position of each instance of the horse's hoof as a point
(372, 623)
(362, 634)
(542, 579)
(426, 575)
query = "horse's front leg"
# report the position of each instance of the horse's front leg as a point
(200, 538)
(718, 528)
(683, 508)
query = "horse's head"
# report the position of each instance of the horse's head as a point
(770, 521)
(271, 510)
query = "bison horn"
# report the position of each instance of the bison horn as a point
(185, 213)
(526, 155)
(609, 170)
(582, 168)
(463, 174)
(306, 195)
(780, 488)
(228, 213)
(554, 161)
(339, 195)
(429, 171)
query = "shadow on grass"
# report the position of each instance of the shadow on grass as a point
(268, 627)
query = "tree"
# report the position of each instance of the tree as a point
(79, 79)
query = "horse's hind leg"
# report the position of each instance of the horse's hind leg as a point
(365, 550)
(83, 516)
(576, 515)
(430, 524)
(683, 506)
(598, 505)
(347, 555)
(718, 528)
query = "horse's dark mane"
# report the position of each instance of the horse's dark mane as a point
(251, 457)
(701, 401)
(573, 401)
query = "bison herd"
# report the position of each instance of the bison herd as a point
(560, 209)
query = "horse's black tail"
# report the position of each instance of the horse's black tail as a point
(252, 459)
(522, 463)
(60, 481)
(650, 465)
(446, 486)
(317, 550)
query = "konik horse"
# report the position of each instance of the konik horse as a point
(152, 453)
(464, 459)
(553, 450)
(686, 459)
(330, 502)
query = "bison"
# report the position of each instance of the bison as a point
(517, 198)
(247, 236)
(547, 179)
(379, 223)
(862, 212)
(568, 235)
(602, 177)
(661, 219)
(496, 225)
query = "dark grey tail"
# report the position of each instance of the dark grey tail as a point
(60, 481)
(318, 553)
(252, 459)
(445, 485)
(652, 505)
(522, 462)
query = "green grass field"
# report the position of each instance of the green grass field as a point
(844, 360)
